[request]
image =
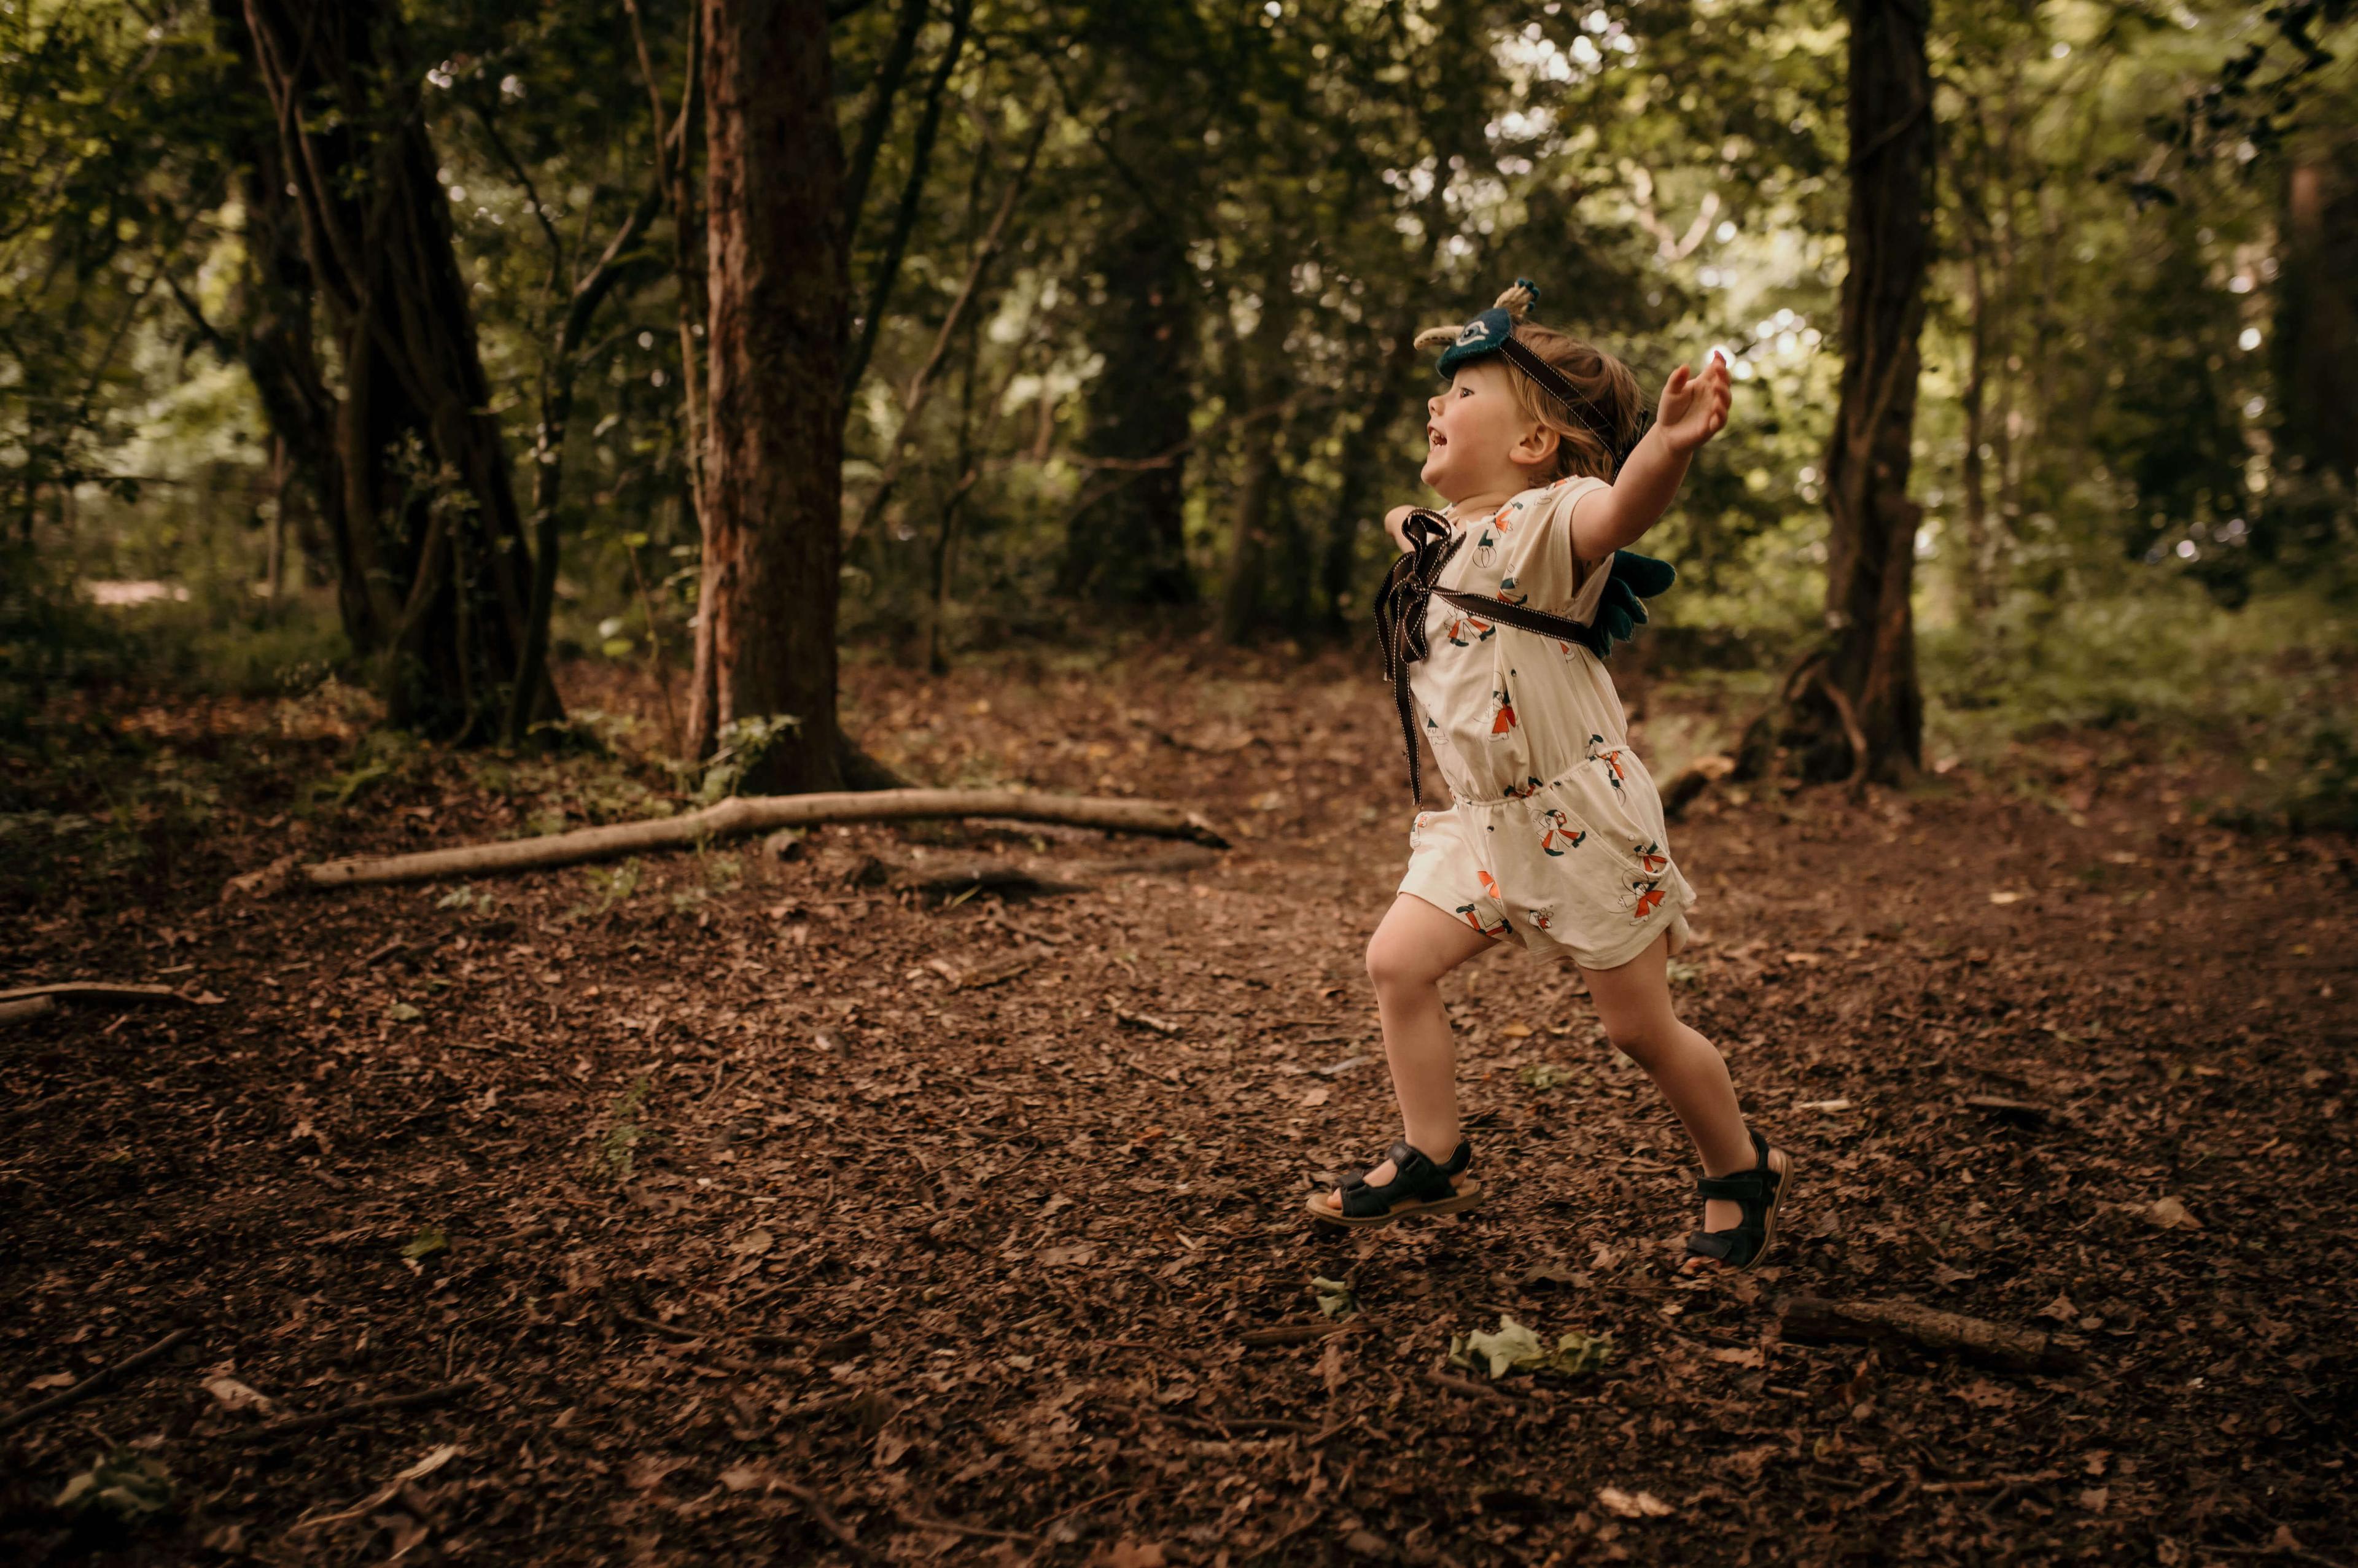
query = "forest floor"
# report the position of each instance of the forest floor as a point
(723, 1207)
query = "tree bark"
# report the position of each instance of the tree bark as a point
(2316, 346)
(1129, 547)
(1871, 555)
(778, 313)
(431, 543)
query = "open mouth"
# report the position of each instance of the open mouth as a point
(1434, 439)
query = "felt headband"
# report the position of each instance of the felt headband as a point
(1493, 332)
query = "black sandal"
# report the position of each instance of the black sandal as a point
(1418, 1186)
(1759, 1192)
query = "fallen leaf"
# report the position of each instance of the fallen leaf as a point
(1335, 1297)
(2095, 1498)
(1737, 1355)
(1068, 1256)
(2005, 895)
(743, 1477)
(648, 1471)
(402, 1013)
(1130, 1554)
(2061, 1309)
(2170, 1214)
(237, 1396)
(426, 1243)
(753, 1244)
(1316, 1098)
(54, 1380)
(1517, 1031)
(1632, 1505)
(1516, 1346)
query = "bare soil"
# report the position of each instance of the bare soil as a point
(758, 1212)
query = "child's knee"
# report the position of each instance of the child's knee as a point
(1395, 967)
(1643, 1037)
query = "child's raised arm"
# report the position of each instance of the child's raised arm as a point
(1693, 410)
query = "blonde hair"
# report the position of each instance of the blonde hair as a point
(1608, 388)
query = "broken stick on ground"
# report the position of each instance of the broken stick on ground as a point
(732, 819)
(1807, 1318)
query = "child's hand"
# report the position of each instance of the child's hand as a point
(1694, 408)
(1393, 521)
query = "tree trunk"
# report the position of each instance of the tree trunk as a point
(1870, 570)
(1131, 547)
(429, 541)
(2316, 347)
(778, 312)
(1260, 372)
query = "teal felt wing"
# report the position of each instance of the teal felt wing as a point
(1636, 578)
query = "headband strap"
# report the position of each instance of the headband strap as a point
(1557, 384)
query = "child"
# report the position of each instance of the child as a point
(1495, 617)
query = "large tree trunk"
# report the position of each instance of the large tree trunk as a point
(2316, 353)
(1131, 546)
(431, 542)
(1871, 559)
(777, 327)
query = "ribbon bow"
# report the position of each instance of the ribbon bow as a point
(1401, 606)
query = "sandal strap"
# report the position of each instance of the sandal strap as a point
(1743, 1188)
(1415, 1178)
(1721, 1245)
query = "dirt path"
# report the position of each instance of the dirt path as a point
(764, 1204)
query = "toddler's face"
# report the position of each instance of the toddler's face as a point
(1474, 432)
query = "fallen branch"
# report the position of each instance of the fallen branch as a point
(2028, 1112)
(31, 1007)
(1146, 1021)
(1293, 1332)
(105, 1378)
(1468, 1389)
(1811, 1319)
(342, 1413)
(736, 818)
(95, 990)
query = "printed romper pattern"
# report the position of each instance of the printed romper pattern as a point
(1557, 835)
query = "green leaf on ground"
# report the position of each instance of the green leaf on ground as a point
(1335, 1297)
(426, 1242)
(1515, 1347)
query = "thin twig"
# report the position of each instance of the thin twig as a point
(949, 1526)
(827, 1520)
(97, 1380)
(358, 1408)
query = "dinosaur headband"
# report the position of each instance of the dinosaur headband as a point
(1493, 332)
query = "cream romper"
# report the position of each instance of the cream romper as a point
(1557, 835)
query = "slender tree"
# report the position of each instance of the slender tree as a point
(1869, 692)
(776, 335)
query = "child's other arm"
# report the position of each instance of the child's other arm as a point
(1393, 521)
(1693, 409)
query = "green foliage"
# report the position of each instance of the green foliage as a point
(125, 1488)
(743, 742)
(611, 1154)
(610, 886)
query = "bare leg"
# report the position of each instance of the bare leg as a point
(1633, 1002)
(1415, 945)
